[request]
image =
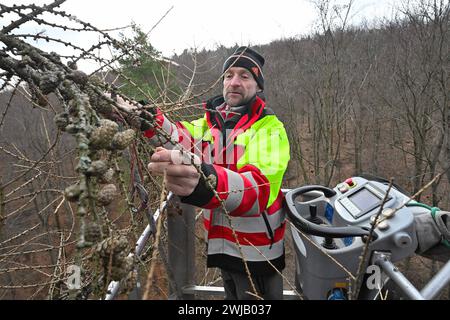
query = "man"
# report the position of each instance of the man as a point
(244, 151)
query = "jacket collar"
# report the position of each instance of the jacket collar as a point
(251, 109)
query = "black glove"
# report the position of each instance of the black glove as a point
(148, 115)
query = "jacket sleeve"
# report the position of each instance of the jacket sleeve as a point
(256, 183)
(186, 133)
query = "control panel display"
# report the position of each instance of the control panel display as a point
(362, 200)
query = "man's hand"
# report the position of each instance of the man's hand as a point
(181, 176)
(125, 105)
(133, 113)
(121, 103)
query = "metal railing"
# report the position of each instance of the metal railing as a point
(181, 255)
(114, 286)
(431, 289)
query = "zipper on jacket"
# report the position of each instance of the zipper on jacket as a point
(269, 229)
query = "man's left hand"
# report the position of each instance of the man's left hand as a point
(181, 176)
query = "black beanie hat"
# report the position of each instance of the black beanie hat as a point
(249, 59)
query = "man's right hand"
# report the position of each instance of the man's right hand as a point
(181, 176)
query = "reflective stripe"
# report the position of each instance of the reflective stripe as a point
(253, 224)
(174, 135)
(169, 145)
(217, 216)
(276, 219)
(253, 211)
(240, 224)
(206, 154)
(255, 208)
(236, 191)
(206, 214)
(167, 126)
(171, 130)
(222, 246)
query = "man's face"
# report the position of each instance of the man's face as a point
(239, 86)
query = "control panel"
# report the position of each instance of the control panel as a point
(358, 199)
(340, 221)
(362, 200)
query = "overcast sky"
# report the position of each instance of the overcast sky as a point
(208, 23)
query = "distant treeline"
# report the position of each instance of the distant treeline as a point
(354, 99)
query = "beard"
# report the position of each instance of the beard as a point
(232, 102)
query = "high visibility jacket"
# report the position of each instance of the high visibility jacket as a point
(248, 160)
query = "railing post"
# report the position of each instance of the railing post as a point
(181, 243)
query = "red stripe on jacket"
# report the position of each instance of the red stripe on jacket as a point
(250, 195)
(256, 239)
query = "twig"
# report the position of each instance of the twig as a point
(149, 282)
